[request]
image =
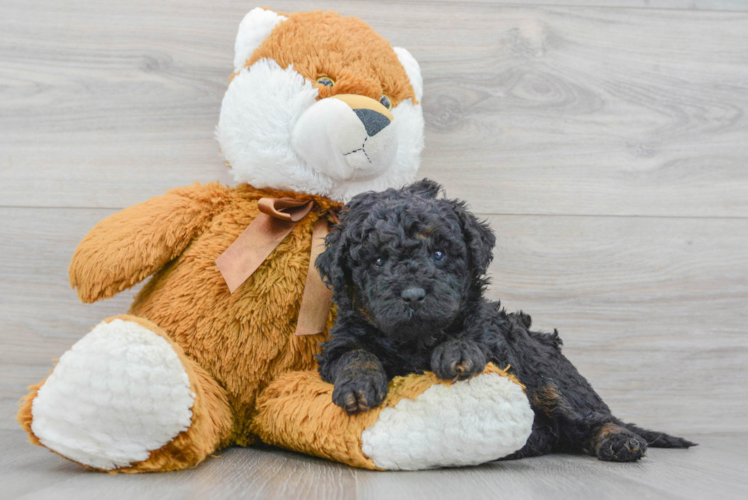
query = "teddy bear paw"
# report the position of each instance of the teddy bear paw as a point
(119, 393)
(465, 423)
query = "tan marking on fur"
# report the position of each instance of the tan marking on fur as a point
(371, 365)
(363, 102)
(548, 400)
(364, 313)
(345, 49)
(608, 429)
(425, 234)
(605, 431)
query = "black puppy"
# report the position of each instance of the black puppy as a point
(408, 275)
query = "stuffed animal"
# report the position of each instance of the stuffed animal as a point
(218, 348)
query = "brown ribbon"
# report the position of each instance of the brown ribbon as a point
(317, 298)
(276, 220)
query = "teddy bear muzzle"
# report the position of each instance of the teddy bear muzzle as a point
(347, 137)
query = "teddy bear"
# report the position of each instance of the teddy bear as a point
(218, 347)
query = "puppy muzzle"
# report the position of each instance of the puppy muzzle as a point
(347, 137)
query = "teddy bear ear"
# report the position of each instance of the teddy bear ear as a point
(412, 69)
(253, 30)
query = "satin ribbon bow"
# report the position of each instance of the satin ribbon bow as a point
(276, 220)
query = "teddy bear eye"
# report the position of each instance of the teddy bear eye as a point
(385, 101)
(439, 255)
(326, 81)
(379, 262)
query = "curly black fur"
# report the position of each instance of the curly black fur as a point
(407, 270)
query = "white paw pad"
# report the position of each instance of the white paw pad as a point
(466, 423)
(118, 394)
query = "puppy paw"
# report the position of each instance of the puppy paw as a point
(457, 360)
(621, 447)
(360, 393)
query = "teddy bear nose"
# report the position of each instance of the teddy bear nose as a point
(413, 296)
(372, 120)
(372, 114)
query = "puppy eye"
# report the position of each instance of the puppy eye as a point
(439, 255)
(379, 262)
(385, 101)
(326, 81)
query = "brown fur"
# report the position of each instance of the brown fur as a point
(251, 375)
(324, 429)
(243, 340)
(231, 345)
(347, 49)
(549, 401)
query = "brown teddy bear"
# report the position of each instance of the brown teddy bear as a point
(219, 347)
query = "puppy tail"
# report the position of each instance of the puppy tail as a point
(660, 439)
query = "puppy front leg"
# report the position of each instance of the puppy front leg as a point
(360, 381)
(458, 359)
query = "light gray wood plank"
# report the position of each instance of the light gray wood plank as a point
(663, 474)
(31, 472)
(652, 310)
(727, 5)
(534, 110)
(40, 316)
(599, 111)
(712, 470)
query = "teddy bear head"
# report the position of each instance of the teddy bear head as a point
(320, 104)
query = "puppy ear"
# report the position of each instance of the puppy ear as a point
(333, 269)
(478, 236)
(425, 188)
(332, 263)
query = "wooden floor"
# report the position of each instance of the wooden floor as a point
(713, 470)
(606, 141)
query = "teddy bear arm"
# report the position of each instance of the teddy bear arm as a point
(125, 248)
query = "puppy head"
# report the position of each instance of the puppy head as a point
(407, 260)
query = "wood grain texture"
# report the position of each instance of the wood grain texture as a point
(652, 310)
(529, 110)
(728, 5)
(604, 140)
(40, 316)
(715, 469)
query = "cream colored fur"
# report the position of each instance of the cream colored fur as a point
(193, 368)
(466, 423)
(253, 30)
(118, 394)
(268, 142)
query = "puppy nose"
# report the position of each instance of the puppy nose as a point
(372, 114)
(413, 296)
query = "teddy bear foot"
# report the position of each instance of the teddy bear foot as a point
(423, 423)
(118, 394)
(450, 425)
